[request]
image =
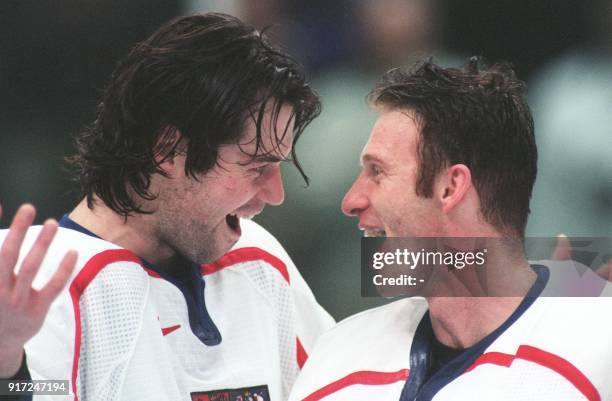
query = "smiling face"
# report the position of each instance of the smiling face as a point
(199, 219)
(383, 196)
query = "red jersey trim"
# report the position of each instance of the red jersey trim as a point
(242, 255)
(301, 354)
(168, 330)
(251, 254)
(551, 361)
(80, 283)
(494, 358)
(362, 377)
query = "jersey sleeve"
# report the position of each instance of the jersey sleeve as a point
(312, 320)
(97, 334)
(109, 313)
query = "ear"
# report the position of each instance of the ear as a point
(168, 145)
(452, 186)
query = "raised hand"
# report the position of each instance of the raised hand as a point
(22, 308)
(563, 251)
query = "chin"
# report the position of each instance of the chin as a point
(219, 250)
(217, 244)
(214, 250)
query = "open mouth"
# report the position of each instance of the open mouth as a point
(233, 222)
(374, 233)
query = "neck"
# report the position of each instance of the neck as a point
(461, 321)
(136, 233)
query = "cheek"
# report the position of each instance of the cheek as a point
(396, 199)
(402, 210)
(219, 187)
(229, 185)
(388, 205)
(237, 192)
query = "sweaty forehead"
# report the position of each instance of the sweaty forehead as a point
(393, 137)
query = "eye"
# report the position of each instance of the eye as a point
(259, 170)
(374, 170)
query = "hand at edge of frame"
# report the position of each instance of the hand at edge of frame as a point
(563, 251)
(22, 308)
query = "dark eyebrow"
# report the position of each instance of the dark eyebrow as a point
(368, 158)
(268, 159)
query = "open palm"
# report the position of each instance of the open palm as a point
(22, 308)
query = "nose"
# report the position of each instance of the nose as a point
(355, 201)
(272, 191)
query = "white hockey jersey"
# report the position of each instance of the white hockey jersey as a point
(239, 327)
(549, 349)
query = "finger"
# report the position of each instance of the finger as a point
(563, 249)
(9, 253)
(605, 271)
(59, 279)
(31, 263)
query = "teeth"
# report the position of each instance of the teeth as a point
(242, 216)
(374, 233)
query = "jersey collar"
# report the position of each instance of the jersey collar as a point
(418, 387)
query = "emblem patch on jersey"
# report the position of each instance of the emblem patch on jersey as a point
(256, 393)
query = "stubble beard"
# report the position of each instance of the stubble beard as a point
(194, 242)
(189, 237)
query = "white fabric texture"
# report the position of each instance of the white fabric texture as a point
(559, 349)
(123, 354)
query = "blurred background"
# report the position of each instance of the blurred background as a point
(55, 57)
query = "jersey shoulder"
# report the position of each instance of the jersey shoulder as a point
(409, 310)
(370, 348)
(255, 236)
(94, 256)
(258, 253)
(368, 337)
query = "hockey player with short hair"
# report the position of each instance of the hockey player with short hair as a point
(453, 154)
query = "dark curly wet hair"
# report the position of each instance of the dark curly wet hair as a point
(204, 76)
